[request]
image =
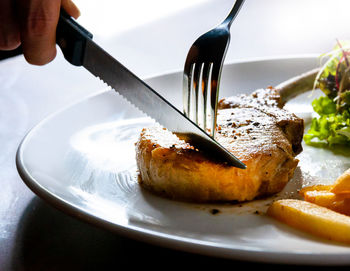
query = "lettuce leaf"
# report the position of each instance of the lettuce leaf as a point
(331, 127)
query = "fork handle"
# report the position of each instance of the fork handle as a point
(233, 13)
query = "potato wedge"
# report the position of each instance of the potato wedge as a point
(312, 218)
(318, 187)
(329, 200)
(342, 184)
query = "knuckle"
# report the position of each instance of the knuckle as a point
(40, 23)
(9, 42)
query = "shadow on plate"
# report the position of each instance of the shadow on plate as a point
(343, 150)
(52, 240)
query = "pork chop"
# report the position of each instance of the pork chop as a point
(255, 128)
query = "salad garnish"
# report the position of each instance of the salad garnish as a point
(332, 125)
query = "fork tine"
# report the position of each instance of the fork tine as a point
(206, 78)
(197, 77)
(187, 89)
(214, 90)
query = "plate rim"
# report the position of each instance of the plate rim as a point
(164, 239)
(243, 60)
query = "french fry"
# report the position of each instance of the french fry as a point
(342, 184)
(312, 218)
(329, 200)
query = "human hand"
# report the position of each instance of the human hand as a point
(32, 24)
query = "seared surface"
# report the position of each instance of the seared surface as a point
(253, 127)
(269, 102)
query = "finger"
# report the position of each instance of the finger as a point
(71, 8)
(38, 24)
(9, 30)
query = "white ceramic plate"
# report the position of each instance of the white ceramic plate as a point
(82, 161)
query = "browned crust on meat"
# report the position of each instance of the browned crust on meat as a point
(261, 135)
(269, 101)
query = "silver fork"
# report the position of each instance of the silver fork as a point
(203, 70)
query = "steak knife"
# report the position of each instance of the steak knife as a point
(80, 50)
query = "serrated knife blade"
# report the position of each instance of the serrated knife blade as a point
(79, 49)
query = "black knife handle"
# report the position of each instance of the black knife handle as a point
(71, 37)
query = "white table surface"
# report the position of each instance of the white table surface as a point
(149, 37)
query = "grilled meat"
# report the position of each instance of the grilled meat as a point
(255, 128)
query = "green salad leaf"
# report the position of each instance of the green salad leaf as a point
(332, 126)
